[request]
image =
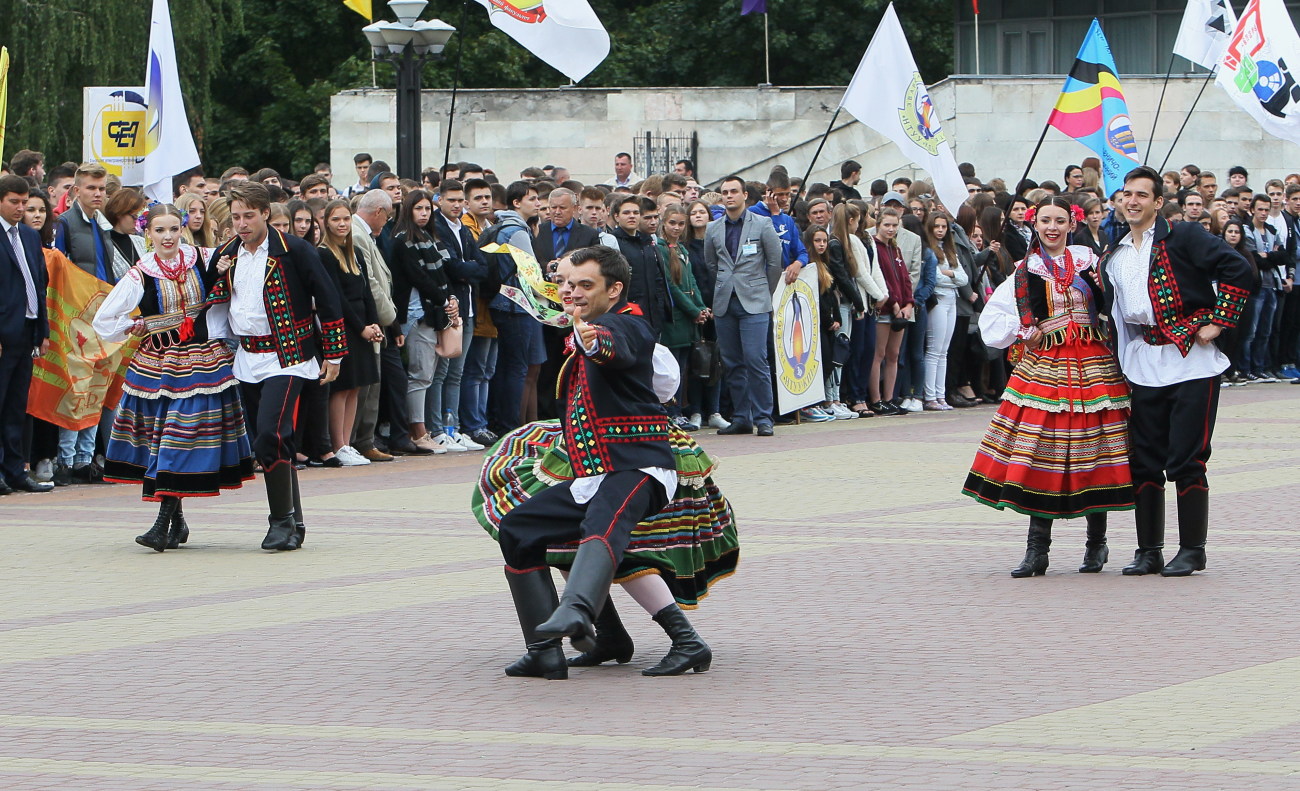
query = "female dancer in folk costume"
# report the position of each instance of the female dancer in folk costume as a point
(180, 428)
(1058, 446)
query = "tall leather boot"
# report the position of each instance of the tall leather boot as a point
(1095, 553)
(612, 640)
(1193, 525)
(534, 595)
(584, 596)
(689, 652)
(1150, 516)
(180, 531)
(300, 527)
(279, 494)
(1036, 547)
(156, 537)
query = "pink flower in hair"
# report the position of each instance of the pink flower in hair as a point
(1031, 213)
(1077, 213)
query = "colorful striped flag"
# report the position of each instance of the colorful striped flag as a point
(1092, 109)
(363, 7)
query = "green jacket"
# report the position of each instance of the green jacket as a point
(681, 330)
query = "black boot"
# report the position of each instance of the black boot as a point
(156, 538)
(1036, 547)
(612, 640)
(1095, 553)
(1150, 516)
(300, 527)
(179, 532)
(534, 595)
(689, 652)
(279, 494)
(1193, 525)
(584, 596)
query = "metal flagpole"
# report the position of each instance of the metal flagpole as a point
(977, 40)
(1159, 105)
(803, 187)
(455, 82)
(767, 58)
(1190, 110)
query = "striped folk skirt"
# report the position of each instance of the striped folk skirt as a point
(692, 543)
(179, 431)
(1058, 445)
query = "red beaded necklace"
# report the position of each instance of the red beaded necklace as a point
(174, 271)
(1062, 277)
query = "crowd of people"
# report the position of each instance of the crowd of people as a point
(441, 361)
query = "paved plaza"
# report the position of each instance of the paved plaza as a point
(871, 639)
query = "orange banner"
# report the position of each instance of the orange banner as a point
(80, 374)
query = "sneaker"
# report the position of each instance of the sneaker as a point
(1290, 372)
(349, 457)
(449, 444)
(683, 423)
(427, 444)
(1265, 378)
(815, 415)
(467, 442)
(44, 472)
(62, 475)
(716, 420)
(697, 418)
(842, 412)
(483, 437)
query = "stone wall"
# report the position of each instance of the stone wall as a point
(994, 122)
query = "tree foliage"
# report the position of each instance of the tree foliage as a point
(258, 74)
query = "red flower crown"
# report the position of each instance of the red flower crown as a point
(1075, 211)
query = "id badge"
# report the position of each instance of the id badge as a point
(749, 248)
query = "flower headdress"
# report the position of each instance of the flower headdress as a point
(1075, 211)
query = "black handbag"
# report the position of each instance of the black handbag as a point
(706, 361)
(839, 351)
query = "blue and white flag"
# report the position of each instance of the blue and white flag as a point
(169, 145)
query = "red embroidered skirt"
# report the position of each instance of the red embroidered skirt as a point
(1058, 445)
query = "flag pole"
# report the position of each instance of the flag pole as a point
(767, 57)
(1190, 110)
(455, 82)
(977, 39)
(803, 187)
(1033, 156)
(1159, 105)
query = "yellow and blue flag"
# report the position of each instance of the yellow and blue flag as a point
(1092, 110)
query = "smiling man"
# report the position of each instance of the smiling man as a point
(1159, 283)
(616, 435)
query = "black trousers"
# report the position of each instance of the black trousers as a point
(272, 405)
(1288, 334)
(1169, 432)
(392, 391)
(552, 517)
(312, 426)
(15, 379)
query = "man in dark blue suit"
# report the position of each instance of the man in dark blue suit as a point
(24, 329)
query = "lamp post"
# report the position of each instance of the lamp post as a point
(408, 44)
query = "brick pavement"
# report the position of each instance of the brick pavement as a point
(871, 639)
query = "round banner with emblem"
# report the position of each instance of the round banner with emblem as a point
(796, 333)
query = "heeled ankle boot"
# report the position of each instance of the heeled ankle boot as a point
(689, 652)
(1095, 553)
(584, 596)
(1149, 514)
(534, 596)
(180, 531)
(1193, 526)
(612, 640)
(156, 537)
(1036, 547)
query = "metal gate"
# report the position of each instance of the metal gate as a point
(654, 152)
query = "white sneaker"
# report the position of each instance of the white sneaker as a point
(350, 457)
(449, 444)
(426, 443)
(913, 405)
(697, 418)
(718, 421)
(44, 472)
(842, 412)
(467, 442)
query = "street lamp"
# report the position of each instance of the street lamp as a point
(408, 44)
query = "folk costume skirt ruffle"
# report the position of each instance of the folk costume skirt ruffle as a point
(692, 543)
(179, 431)
(1058, 445)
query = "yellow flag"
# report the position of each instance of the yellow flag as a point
(362, 7)
(4, 93)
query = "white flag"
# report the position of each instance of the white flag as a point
(169, 145)
(1207, 25)
(566, 34)
(887, 94)
(1256, 67)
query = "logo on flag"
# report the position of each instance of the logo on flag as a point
(920, 122)
(1092, 109)
(528, 11)
(566, 34)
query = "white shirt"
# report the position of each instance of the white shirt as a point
(666, 380)
(248, 319)
(1129, 272)
(15, 241)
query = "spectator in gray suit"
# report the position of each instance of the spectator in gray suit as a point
(745, 252)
